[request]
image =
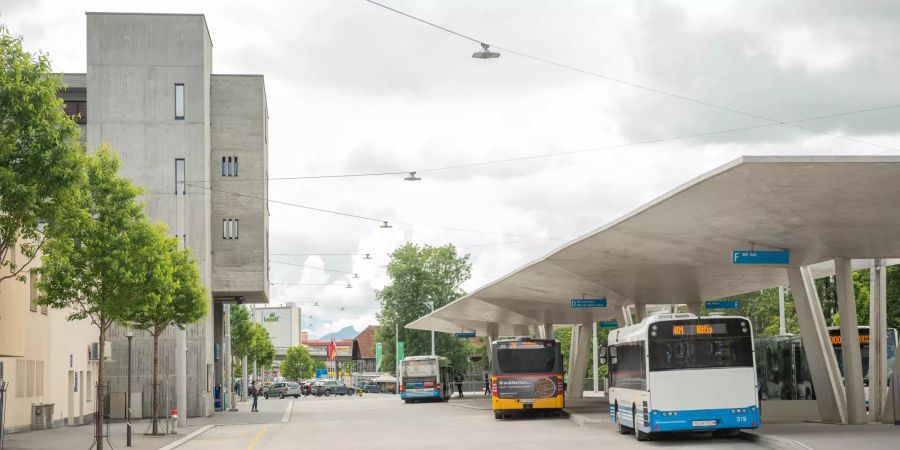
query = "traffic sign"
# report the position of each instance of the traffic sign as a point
(470, 334)
(723, 304)
(588, 303)
(761, 257)
(610, 324)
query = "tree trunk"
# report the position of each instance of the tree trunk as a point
(100, 397)
(155, 406)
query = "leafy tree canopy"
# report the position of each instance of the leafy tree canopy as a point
(420, 275)
(298, 364)
(261, 348)
(40, 157)
(240, 331)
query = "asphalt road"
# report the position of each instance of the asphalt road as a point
(381, 421)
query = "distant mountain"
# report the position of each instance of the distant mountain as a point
(345, 333)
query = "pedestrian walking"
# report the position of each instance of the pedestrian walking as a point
(459, 383)
(487, 384)
(254, 391)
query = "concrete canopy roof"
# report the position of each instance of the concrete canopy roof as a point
(677, 248)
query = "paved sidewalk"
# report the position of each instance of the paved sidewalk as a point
(81, 437)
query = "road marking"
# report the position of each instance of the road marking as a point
(287, 412)
(187, 438)
(256, 438)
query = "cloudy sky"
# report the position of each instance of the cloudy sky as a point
(354, 88)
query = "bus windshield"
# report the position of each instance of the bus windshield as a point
(421, 368)
(527, 357)
(891, 344)
(700, 343)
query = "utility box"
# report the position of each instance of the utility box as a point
(42, 416)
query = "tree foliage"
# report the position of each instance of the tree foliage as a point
(298, 364)
(100, 256)
(176, 297)
(40, 157)
(419, 275)
(240, 331)
(261, 348)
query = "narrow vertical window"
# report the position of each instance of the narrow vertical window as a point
(235, 166)
(179, 101)
(223, 166)
(179, 176)
(235, 228)
(224, 228)
(230, 167)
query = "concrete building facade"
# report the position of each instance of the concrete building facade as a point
(197, 143)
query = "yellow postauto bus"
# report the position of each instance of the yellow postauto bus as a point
(526, 376)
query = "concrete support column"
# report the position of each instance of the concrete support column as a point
(493, 332)
(536, 331)
(640, 311)
(877, 339)
(623, 317)
(546, 330)
(244, 379)
(823, 366)
(578, 352)
(852, 356)
(694, 308)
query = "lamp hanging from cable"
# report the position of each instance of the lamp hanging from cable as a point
(485, 53)
(412, 177)
(385, 224)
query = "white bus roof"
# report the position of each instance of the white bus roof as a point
(423, 358)
(638, 331)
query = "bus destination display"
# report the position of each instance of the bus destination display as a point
(699, 329)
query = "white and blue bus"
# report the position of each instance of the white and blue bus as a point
(425, 378)
(680, 372)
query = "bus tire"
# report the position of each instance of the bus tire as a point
(726, 433)
(638, 434)
(498, 416)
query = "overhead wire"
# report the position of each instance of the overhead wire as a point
(311, 267)
(635, 85)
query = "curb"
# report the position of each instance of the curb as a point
(187, 438)
(581, 419)
(772, 441)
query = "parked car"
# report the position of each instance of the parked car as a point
(369, 388)
(329, 387)
(283, 389)
(306, 387)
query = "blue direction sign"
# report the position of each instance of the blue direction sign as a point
(588, 303)
(761, 257)
(465, 335)
(321, 373)
(610, 324)
(723, 304)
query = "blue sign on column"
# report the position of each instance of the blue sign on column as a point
(588, 303)
(723, 304)
(470, 334)
(610, 324)
(761, 257)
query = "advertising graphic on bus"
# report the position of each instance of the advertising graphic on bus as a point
(526, 375)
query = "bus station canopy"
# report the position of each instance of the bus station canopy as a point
(678, 248)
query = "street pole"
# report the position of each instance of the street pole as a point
(397, 355)
(130, 335)
(782, 330)
(432, 331)
(244, 380)
(596, 354)
(181, 333)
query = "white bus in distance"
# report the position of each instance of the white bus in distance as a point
(680, 372)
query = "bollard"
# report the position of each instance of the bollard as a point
(173, 421)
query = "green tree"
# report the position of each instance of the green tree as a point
(98, 257)
(418, 276)
(40, 157)
(298, 364)
(240, 337)
(178, 299)
(261, 348)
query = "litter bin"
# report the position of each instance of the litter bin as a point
(217, 397)
(42, 416)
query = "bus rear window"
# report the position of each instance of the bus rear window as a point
(424, 368)
(526, 360)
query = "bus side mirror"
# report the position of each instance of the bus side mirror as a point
(601, 358)
(613, 356)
